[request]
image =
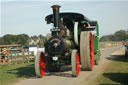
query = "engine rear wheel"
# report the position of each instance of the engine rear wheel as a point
(75, 63)
(40, 64)
(86, 50)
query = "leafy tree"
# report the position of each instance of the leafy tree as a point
(21, 39)
(14, 39)
(120, 35)
(42, 41)
(107, 38)
(34, 37)
(1, 41)
(8, 39)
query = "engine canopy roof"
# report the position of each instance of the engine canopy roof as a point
(70, 16)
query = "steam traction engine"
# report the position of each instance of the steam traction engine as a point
(71, 43)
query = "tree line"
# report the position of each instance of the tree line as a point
(120, 35)
(23, 39)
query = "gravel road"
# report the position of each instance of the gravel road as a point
(65, 76)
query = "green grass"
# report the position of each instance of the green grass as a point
(116, 73)
(9, 74)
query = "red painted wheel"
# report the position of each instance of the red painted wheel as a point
(86, 50)
(75, 61)
(40, 64)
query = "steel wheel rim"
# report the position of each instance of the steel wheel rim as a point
(91, 51)
(42, 64)
(77, 63)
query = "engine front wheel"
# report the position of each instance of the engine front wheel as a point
(40, 64)
(75, 62)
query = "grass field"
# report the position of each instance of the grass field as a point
(9, 74)
(109, 44)
(116, 72)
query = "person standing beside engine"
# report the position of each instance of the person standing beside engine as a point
(4, 53)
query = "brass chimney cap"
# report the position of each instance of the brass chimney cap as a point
(55, 6)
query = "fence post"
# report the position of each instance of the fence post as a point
(15, 58)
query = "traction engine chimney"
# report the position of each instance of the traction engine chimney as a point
(56, 16)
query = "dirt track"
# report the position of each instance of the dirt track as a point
(65, 76)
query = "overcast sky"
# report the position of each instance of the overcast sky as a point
(22, 16)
